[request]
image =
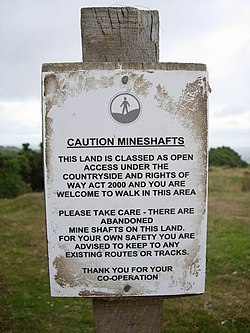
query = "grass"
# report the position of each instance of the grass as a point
(25, 302)
(26, 306)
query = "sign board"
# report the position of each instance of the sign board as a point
(126, 180)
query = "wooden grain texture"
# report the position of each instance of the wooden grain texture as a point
(131, 36)
(119, 34)
(129, 315)
(146, 66)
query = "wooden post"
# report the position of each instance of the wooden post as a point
(123, 35)
(119, 35)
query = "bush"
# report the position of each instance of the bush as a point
(33, 176)
(20, 171)
(12, 183)
(225, 156)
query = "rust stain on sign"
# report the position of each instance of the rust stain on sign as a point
(52, 91)
(192, 107)
(68, 272)
(165, 100)
(58, 87)
(141, 85)
(49, 131)
(87, 293)
(192, 261)
(191, 110)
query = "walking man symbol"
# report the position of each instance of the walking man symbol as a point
(125, 104)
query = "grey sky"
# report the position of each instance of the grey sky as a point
(214, 32)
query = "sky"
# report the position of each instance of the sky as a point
(214, 32)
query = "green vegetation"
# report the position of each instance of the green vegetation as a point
(25, 302)
(26, 306)
(21, 171)
(225, 156)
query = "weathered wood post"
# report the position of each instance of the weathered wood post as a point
(119, 35)
(132, 36)
(125, 146)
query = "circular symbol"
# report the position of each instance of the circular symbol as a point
(125, 108)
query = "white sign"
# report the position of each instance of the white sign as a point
(126, 181)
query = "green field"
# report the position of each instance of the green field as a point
(225, 307)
